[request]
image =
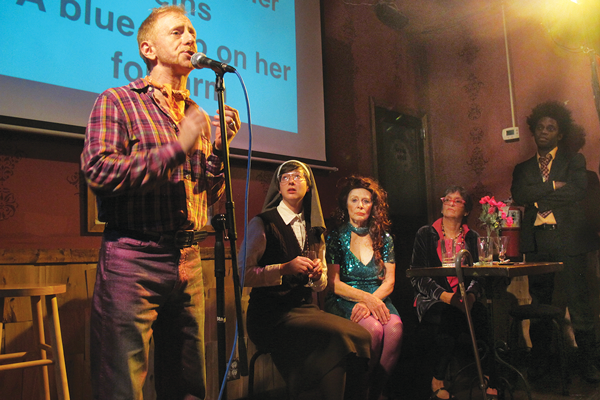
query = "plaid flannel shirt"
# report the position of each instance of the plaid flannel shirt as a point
(134, 164)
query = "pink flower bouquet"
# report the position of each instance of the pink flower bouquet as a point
(492, 215)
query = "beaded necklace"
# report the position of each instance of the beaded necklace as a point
(459, 237)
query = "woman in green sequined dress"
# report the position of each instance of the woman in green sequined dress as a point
(361, 273)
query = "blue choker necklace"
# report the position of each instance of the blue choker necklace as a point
(360, 231)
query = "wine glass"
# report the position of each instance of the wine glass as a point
(312, 255)
(502, 248)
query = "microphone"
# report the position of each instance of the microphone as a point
(199, 61)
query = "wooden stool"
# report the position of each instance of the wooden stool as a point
(259, 352)
(251, 372)
(36, 292)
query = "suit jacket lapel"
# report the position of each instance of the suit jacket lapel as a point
(558, 165)
(533, 169)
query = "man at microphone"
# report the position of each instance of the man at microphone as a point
(149, 160)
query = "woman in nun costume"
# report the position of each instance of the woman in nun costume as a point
(312, 349)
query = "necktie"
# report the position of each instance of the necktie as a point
(544, 161)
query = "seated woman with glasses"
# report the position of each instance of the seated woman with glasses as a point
(312, 349)
(438, 302)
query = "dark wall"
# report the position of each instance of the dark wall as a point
(41, 194)
(364, 61)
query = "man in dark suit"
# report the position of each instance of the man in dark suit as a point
(551, 186)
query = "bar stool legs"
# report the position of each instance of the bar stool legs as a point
(37, 318)
(251, 373)
(549, 313)
(11, 361)
(62, 385)
(257, 354)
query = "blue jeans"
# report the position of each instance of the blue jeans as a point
(145, 289)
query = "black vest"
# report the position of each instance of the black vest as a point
(282, 246)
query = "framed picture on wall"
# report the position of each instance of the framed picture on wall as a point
(93, 224)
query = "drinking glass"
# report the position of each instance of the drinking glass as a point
(312, 255)
(448, 252)
(485, 248)
(502, 247)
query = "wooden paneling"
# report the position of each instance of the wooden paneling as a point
(77, 268)
(47, 256)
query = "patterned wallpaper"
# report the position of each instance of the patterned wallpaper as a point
(477, 160)
(8, 162)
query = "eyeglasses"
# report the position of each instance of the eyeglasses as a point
(449, 201)
(286, 178)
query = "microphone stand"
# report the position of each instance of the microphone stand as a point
(221, 223)
(464, 253)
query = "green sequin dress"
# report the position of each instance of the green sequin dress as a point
(353, 272)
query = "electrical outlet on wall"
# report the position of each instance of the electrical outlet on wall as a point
(233, 372)
(510, 134)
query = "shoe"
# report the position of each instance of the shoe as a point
(490, 396)
(435, 397)
(589, 373)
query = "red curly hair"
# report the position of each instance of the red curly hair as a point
(378, 223)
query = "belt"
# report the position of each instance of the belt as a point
(546, 227)
(180, 239)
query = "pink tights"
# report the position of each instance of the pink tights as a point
(386, 341)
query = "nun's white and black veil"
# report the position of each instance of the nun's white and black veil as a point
(311, 204)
